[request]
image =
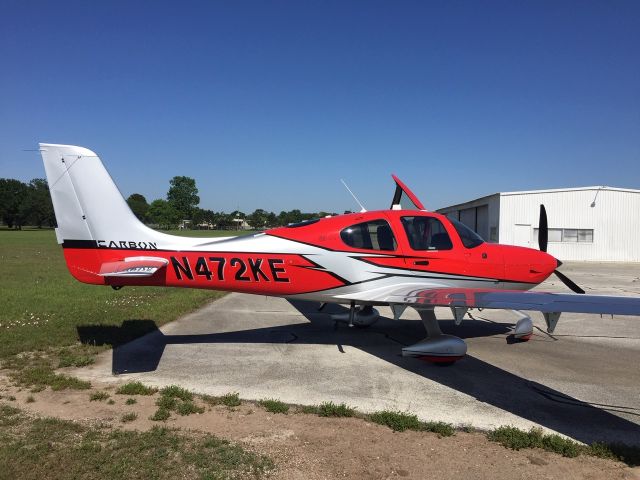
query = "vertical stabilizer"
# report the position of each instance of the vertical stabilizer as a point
(86, 201)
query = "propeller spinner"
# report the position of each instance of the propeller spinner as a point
(543, 239)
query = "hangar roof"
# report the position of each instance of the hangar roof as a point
(530, 192)
(575, 189)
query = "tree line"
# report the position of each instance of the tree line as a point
(30, 204)
(182, 203)
(26, 203)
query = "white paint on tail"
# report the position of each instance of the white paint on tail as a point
(87, 203)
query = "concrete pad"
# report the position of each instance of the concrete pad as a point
(583, 381)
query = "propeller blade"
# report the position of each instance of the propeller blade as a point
(543, 230)
(568, 282)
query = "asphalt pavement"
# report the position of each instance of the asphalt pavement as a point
(583, 381)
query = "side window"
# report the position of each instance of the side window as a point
(426, 233)
(375, 235)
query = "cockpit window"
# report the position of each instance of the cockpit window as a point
(374, 235)
(469, 238)
(426, 233)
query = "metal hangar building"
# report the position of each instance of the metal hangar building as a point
(587, 223)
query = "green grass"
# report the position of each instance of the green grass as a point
(516, 439)
(443, 429)
(396, 421)
(401, 421)
(274, 406)
(98, 396)
(128, 417)
(135, 388)
(173, 391)
(330, 409)
(131, 401)
(42, 304)
(168, 403)
(161, 415)
(231, 399)
(80, 356)
(9, 416)
(41, 376)
(49, 448)
(176, 399)
(188, 408)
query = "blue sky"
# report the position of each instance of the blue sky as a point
(268, 104)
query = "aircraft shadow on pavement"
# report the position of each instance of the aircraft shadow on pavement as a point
(138, 346)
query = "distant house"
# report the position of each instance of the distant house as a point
(241, 224)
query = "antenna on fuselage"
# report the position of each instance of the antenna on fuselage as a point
(354, 196)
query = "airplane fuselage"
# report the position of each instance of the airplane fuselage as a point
(324, 260)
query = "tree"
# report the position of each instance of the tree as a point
(163, 214)
(183, 196)
(12, 195)
(225, 220)
(272, 220)
(138, 205)
(293, 216)
(37, 208)
(258, 219)
(202, 216)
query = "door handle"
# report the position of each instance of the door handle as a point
(421, 262)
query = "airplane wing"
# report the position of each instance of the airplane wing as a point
(133, 267)
(515, 300)
(461, 299)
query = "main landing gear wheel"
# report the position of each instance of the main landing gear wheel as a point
(524, 327)
(438, 348)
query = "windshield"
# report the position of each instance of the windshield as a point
(470, 239)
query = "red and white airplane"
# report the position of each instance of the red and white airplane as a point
(404, 256)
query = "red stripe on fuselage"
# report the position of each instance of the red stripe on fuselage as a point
(260, 273)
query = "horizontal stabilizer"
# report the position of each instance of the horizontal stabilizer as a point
(133, 267)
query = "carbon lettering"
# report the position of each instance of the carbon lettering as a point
(220, 261)
(275, 270)
(181, 268)
(240, 273)
(127, 244)
(255, 265)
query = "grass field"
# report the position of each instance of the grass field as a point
(42, 305)
(35, 448)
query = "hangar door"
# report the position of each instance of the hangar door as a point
(477, 218)
(482, 221)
